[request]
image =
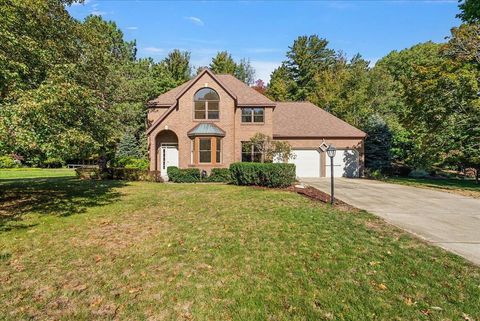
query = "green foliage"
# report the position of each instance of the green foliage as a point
(470, 11)
(8, 162)
(177, 64)
(223, 63)
(53, 163)
(187, 175)
(263, 174)
(71, 89)
(128, 147)
(374, 174)
(131, 162)
(220, 175)
(270, 149)
(127, 174)
(244, 71)
(377, 144)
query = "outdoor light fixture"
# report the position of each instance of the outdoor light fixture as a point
(331, 151)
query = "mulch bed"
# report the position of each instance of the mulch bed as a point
(317, 195)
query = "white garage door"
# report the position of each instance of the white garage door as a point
(345, 164)
(307, 162)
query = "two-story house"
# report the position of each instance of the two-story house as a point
(204, 123)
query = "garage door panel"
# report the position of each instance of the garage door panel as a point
(307, 162)
(345, 164)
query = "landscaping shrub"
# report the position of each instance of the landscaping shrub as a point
(133, 174)
(220, 175)
(187, 175)
(131, 162)
(53, 163)
(374, 174)
(127, 174)
(263, 174)
(90, 173)
(8, 162)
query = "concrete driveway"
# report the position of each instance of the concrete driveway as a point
(447, 220)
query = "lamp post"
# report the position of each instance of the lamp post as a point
(331, 153)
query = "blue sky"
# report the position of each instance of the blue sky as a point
(262, 31)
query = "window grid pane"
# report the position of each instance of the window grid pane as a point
(247, 115)
(258, 115)
(200, 110)
(219, 151)
(205, 150)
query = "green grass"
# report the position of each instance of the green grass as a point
(466, 187)
(78, 250)
(35, 172)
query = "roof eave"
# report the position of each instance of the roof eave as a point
(315, 136)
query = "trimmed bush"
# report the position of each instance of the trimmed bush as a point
(8, 162)
(263, 174)
(127, 174)
(53, 163)
(221, 175)
(187, 175)
(131, 162)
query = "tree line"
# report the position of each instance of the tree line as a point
(73, 90)
(419, 106)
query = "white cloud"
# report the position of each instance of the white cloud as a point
(98, 13)
(80, 4)
(263, 69)
(196, 20)
(153, 50)
(132, 28)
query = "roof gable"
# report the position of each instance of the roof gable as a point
(243, 94)
(171, 97)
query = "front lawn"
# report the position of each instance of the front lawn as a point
(72, 249)
(35, 173)
(466, 187)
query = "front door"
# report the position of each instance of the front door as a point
(168, 157)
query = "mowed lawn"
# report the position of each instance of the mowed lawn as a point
(78, 250)
(466, 187)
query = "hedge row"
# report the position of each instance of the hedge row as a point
(194, 175)
(263, 174)
(187, 175)
(127, 174)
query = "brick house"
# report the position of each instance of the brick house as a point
(204, 122)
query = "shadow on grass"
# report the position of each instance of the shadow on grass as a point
(61, 196)
(467, 184)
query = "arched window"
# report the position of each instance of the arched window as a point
(206, 102)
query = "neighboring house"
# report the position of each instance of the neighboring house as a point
(204, 122)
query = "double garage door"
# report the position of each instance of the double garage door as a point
(308, 163)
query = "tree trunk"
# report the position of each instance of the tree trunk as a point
(102, 161)
(477, 174)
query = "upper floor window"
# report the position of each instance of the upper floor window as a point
(253, 115)
(206, 102)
